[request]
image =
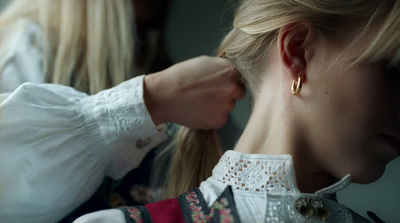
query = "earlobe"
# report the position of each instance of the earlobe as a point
(292, 45)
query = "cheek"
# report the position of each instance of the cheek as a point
(348, 110)
(363, 94)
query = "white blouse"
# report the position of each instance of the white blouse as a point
(57, 144)
(265, 190)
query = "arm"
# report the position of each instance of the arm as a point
(57, 144)
(199, 93)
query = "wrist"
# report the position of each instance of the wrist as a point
(154, 98)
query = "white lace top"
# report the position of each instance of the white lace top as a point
(265, 190)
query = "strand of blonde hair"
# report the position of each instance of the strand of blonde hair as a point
(198, 151)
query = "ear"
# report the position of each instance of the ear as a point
(293, 41)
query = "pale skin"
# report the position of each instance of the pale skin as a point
(198, 93)
(343, 121)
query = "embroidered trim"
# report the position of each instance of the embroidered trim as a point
(135, 214)
(194, 209)
(194, 205)
(223, 209)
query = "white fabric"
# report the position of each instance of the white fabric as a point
(264, 189)
(106, 216)
(57, 144)
(22, 59)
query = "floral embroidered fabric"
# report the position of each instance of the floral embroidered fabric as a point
(135, 214)
(195, 209)
(192, 208)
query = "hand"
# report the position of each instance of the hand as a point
(197, 93)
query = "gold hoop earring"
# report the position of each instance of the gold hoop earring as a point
(296, 86)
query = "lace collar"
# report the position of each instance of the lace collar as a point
(260, 173)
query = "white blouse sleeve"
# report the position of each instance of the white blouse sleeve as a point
(105, 216)
(57, 144)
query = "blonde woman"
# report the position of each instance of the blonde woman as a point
(324, 76)
(92, 118)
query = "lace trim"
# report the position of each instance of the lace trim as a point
(262, 172)
(256, 173)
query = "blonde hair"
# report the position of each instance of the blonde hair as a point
(89, 43)
(256, 27)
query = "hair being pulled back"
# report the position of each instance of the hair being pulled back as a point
(255, 29)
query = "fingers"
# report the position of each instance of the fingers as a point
(235, 75)
(236, 78)
(204, 91)
(242, 92)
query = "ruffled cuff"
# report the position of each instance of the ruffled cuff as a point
(122, 114)
(126, 125)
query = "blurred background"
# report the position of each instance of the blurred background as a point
(195, 28)
(3, 3)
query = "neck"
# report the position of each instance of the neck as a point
(272, 130)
